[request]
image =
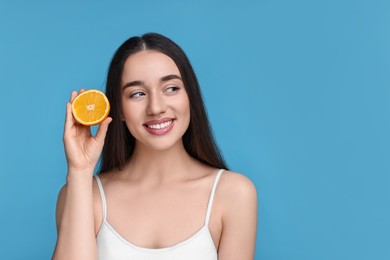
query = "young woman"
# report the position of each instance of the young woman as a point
(163, 190)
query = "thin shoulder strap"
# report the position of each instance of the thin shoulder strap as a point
(103, 197)
(211, 199)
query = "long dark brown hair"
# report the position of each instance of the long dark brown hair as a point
(198, 140)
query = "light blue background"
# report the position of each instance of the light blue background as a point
(297, 92)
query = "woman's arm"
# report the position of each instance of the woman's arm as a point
(75, 216)
(75, 220)
(239, 218)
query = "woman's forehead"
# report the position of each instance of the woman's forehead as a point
(148, 64)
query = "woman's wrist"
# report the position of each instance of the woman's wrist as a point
(79, 174)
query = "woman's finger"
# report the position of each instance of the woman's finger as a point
(69, 119)
(73, 96)
(101, 133)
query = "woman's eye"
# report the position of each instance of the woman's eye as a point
(137, 94)
(172, 89)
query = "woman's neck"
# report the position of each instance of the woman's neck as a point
(160, 166)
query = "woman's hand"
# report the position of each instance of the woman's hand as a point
(82, 149)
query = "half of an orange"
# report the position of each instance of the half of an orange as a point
(90, 107)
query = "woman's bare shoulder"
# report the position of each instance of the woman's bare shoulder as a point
(237, 184)
(236, 192)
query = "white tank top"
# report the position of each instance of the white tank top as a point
(200, 246)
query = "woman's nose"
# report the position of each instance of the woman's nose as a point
(156, 104)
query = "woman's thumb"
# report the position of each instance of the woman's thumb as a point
(101, 132)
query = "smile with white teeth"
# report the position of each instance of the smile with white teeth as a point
(160, 126)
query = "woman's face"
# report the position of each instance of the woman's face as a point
(155, 104)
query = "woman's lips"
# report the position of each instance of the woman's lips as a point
(159, 127)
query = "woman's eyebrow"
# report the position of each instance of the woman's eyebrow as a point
(170, 77)
(132, 84)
